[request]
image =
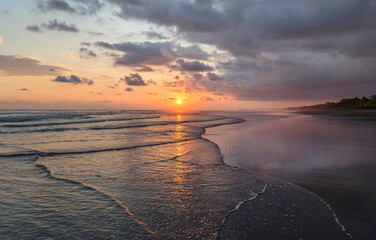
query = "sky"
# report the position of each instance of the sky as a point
(209, 54)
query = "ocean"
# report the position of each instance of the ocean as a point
(183, 175)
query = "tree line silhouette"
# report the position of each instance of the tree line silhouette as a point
(346, 103)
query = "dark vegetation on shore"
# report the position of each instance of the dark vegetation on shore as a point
(346, 103)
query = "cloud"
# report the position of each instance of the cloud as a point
(52, 25)
(151, 82)
(188, 16)
(23, 66)
(194, 66)
(81, 7)
(143, 69)
(73, 79)
(87, 44)
(134, 79)
(274, 50)
(23, 89)
(214, 77)
(129, 89)
(86, 53)
(152, 93)
(207, 99)
(246, 28)
(95, 33)
(146, 55)
(176, 83)
(300, 76)
(154, 35)
(1, 39)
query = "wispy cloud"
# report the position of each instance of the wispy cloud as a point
(86, 53)
(81, 7)
(52, 25)
(11, 65)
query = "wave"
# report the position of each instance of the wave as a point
(112, 127)
(43, 154)
(89, 187)
(37, 115)
(76, 122)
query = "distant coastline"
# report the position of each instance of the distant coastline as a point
(348, 106)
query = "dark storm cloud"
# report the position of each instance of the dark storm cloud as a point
(73, 79)
(145, 55)
(279, 50)
(246, 28)
(311, 77)
(82, 7)
(194, 66)
(52, 25)
(134, 79)
(198, 16)
(23, 66)
(86, 53)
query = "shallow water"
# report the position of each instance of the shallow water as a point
(332, 156)
(114, 175)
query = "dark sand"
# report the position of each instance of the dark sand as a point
(283, 211)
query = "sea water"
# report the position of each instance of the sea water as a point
(139, 174)
(115, 175)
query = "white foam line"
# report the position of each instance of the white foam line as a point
(236, 208)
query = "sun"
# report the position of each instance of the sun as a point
(178, 101)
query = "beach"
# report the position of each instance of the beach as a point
(150, 175)
(331, 156)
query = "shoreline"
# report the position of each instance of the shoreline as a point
(254, 218)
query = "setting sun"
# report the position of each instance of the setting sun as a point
(178, 101)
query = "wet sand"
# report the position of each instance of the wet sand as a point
(283, 211)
